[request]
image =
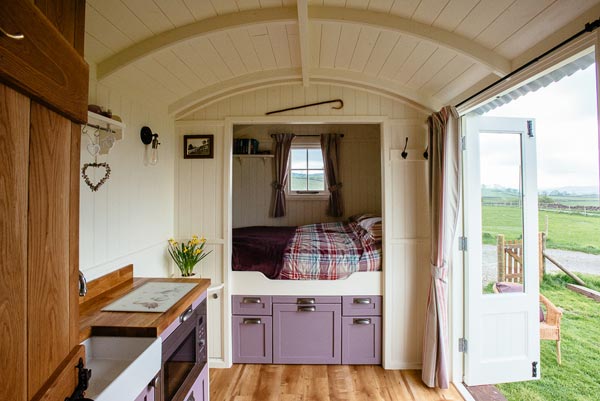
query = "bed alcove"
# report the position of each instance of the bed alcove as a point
(206, 198)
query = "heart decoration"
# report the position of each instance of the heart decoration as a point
(86, 178)
(93, 149)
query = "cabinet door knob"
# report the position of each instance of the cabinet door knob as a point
(215, 296)
(15, 36)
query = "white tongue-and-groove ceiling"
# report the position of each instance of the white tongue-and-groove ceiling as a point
(189, 53)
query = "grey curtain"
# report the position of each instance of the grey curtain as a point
(283, 144)
(330, 147)
(444, 200)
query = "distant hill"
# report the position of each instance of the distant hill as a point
(572, 190)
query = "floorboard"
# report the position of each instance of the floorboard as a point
(322, 383)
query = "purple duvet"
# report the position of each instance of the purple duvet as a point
(260, 249)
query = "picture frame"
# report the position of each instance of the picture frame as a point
(198, 146)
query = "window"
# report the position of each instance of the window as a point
(307, 174)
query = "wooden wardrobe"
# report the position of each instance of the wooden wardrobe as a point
(43, 101)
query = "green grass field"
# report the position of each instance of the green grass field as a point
(566, 231)
(578, 378)
(315, 182)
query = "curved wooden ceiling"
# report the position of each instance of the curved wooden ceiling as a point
(190, 53)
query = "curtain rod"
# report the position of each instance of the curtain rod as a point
(589, 27)
(273, 135)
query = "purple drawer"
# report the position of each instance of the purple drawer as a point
(307, 300)
(307, 334)
(252, 339)
(361, 340)
(251, 305)
(363, 305)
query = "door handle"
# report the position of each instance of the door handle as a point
(15, 36)
(251, 301)
(305, 301)
(307, 309)
(362, 321)
(252, 321)
(362, 301)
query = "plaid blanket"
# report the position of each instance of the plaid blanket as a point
(328, 251)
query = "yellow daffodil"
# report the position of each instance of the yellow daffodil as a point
(203, 240)
(197, 251)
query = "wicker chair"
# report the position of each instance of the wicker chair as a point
(549, 325)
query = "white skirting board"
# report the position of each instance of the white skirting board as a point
(256, 283)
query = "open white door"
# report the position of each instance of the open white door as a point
(501, 330)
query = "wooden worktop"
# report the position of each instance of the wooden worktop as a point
(109, 288)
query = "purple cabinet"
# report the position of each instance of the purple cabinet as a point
(199, 390)
(148, 394)
(361, 340)
(306, 333)
(252, 339)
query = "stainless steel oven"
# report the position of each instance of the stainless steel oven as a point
(184, 355)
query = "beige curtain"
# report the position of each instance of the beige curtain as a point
(444, 200)
(283, 144)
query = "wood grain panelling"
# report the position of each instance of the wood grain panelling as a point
(14, 149)
(48, 238)
(61, 384)
(68, 16)
(360, 175)
(74, 231)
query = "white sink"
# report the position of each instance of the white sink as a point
(121, 366)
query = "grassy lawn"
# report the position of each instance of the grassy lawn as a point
(578, 378)
(566, 231)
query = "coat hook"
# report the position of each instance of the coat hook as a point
(404, 153)
(426, 153)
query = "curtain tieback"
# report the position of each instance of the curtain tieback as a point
(277, 186)
(439, 272)
(335, 187)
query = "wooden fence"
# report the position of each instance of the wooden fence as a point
(510, 258)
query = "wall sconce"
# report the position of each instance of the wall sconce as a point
(149, 138)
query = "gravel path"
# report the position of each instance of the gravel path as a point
(575, 261)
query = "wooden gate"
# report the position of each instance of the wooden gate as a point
(510, 259)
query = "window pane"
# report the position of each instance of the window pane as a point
(298, 180)
(316, 180)
(315, 159)
(299, 158)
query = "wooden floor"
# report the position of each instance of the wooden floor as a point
(321, 383)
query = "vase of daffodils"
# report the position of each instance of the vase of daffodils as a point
(187, 254)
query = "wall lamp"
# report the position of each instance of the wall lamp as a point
(149, 138)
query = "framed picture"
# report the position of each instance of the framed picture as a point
(198, 146)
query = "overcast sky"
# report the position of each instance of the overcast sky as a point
(567, 134)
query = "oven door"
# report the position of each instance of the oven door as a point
(181, 362)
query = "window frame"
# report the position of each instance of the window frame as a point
(305, 195)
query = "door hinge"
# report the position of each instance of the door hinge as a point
(462, 345)
(462, 243)
(463, 143)
(530, 128)
(534, 369)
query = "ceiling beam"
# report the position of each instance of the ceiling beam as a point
(440, 37)
(249, 82)
(467, 47)
(196, 29)
(304, 39)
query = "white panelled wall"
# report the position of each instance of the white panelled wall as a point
(360, 165)
(204, 194)
(130, 217)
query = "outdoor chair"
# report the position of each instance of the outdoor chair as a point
(549, 321)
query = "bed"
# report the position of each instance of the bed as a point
(323, 251)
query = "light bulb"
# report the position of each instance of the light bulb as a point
(154, 150)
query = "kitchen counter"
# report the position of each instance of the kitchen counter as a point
(107, 289)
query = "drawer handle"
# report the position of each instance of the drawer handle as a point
(362, 321)
(362, 301)
(15, 36)
(307, 309)
(191, 397)
(305, 301)
(252, 321)
(186, 314)
(251, 301)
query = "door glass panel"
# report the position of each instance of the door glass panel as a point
(501, 212)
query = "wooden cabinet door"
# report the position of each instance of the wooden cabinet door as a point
(14, 150)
